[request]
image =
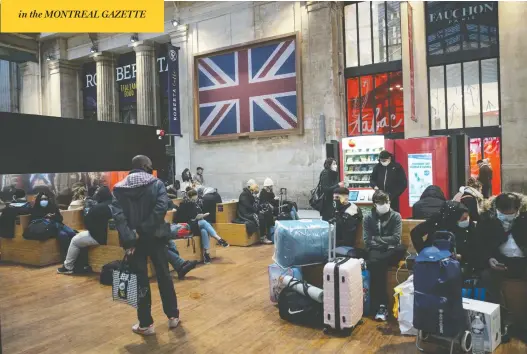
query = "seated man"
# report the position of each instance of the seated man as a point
(96, 216)
(18, 206)
(382, 237)
(347, 219)
(250, 212)
(430, 203)
(502, 231)
(188, 213)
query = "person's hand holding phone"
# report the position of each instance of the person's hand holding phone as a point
(494, 264)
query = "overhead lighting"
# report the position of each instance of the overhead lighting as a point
(134, 38)
(94, 49)
(175, 22)
(397, 86)
(391, 88)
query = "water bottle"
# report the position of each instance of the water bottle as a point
(478, 336)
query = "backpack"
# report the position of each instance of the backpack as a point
(316, 197)
(299, 309)
(438, 284)
(41, 230)
(106, 277)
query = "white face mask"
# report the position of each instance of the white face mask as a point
(334, 167)
(463, 224)
(385, 163)
(382, 209)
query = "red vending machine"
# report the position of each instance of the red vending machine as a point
(439, 160)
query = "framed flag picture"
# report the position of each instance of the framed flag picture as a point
(251, 90)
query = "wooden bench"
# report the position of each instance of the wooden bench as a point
(29, 252)
(73, 219)
(236, 234)
(226, 212)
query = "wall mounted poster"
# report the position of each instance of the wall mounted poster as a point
(248, 91)
(420, 175)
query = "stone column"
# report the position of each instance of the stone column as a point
(513, 81)
(146, 78)
(65, 87)
(107, 95)
(179, 38)
(29, 92)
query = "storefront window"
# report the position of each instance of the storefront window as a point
(372, 32)
(9, 87)
(375, 104)
(128, 113)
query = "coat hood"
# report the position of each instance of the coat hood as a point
(433, 192)
(135, 184)
(489, 205)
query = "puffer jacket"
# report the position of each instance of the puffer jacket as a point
(347, 219)
(429, 204)
(491, 235)
(143, 201)
(382, 232)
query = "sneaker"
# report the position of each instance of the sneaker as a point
(148, 331)
(206, 258)
(64, 270)
(382, 314)
(223, 243)
(185, 268)
(173, 322)
(266, 241)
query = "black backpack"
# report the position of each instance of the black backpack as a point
(106, 277)
(316, 197)
(300, 309)
(41, 230)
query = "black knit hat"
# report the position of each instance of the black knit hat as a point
(385, 155)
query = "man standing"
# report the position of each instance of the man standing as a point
(140, 204)
(388, 176)
(485, 177)
(198, 177)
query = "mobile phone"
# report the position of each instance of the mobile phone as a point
(500, 265)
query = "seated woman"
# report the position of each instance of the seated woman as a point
(348, 218)
(429, 204)
(250, 212)
(267, 196)
(209, 200)
(471, 197)
(96, 216)
(382, 237)
(79, 195)
(187, 213)
(453, 217)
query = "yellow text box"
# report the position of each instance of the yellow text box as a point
(77, 16)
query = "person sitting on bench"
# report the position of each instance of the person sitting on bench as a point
(382, 236)
(267, 196)
(348, 218)
(79, 195)
(210, 199)
(96, 216)
(453, 217)
(249, 212)
(181, 266)
(18, 206)
(190, 213)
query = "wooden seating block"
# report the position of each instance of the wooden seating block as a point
(30, 252)
(226, 212)
(236, 234)
(190, 249)
(73, 219)
(21, 223)
(113, 235)
(98, 256)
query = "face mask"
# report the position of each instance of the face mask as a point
(44, 203)
(505, 217)
(334, 168)
(385, 163)
(463, 224)
(382, 209)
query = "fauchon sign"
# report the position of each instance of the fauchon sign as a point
(461, 11)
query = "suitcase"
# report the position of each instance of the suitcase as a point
(343, 290)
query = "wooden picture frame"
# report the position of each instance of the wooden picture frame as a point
(298, 130)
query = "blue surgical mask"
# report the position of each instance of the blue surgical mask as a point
(44, 203)
(463, 224)
(506, 217)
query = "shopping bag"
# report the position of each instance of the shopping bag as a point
(125, 287)
(403, 308)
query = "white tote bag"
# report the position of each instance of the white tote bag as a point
(404, 306)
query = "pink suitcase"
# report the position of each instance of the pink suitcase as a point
(343, 292)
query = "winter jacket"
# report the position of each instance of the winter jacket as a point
(390, 179)
(329, 181)
(9, 214)
(348, 218)
(247, 212)
(382, 232)
(472, 199)
(143, 200)
(38, 212)
(491, 235)
(209, 201)
(96, 221)
(186, 214)
(198, 179)
(268, 197)
(429, 204)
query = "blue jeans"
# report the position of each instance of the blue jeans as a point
(294, 214)
(173, 256)
(206, 231)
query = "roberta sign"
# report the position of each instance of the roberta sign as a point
(454, 12)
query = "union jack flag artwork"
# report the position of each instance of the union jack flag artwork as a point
(248, 90)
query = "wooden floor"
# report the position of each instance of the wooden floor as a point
(225, 308)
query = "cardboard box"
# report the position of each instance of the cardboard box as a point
(490, 314)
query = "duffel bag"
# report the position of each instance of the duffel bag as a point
(41, 230)
(300, 309)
